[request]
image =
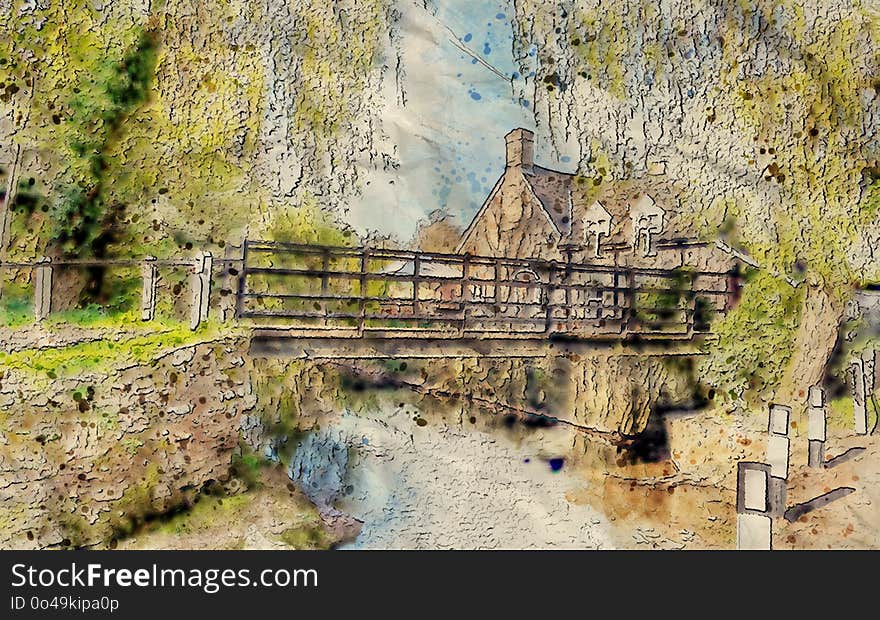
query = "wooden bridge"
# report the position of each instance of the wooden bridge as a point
(295, 291)
(368, 302)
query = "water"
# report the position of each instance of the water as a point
(445, 486)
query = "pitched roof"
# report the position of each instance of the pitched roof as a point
(566, 197)
(553, 190)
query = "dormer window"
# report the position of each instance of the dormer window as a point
(648, 220)
(597, 224)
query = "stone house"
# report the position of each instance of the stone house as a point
(548, 246)
(555, 217)
(537, 212)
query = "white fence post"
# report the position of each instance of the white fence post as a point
(859, 387)
(43, 288)
(754, 527)
(201, 289)
(150, 283)
(777, 458)
(816, 427)
(875, 366)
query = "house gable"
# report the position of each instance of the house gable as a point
(512, 222)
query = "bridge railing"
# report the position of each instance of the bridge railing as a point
(359, 290)
(175, 288)
(369, 289)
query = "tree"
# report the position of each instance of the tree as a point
(768, 112)
(437, 233)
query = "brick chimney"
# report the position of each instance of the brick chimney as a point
(521, 149)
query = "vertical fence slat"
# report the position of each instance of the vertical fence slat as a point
(497, 296)
(816, 427)
(325, 283)
(417, 266)
(778, 449)
(201, 289)
(567, 282)
(754, 526)
(362, 293)
(43, 288)
(149, 287)
(629, 304)
(549, 289)
(859, 387)
(465, 292)
(242, 281)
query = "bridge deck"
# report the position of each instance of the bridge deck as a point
(310, 344)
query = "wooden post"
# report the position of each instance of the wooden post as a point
(43, 288)
(859, 387)
(242, 282)
(325, 283)
(201, 289)
(417, 267)
(778, 458)
(816, 427)
(149, 286)
(226, 302)
(548, 297)
(497, 295)
(754, 527)
(875, 376)
(465, 292)
(567, 284)
(627, 299)
(363, 291)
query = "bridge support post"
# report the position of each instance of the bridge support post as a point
(778, 445)
(43, 288)
(816, 427)
(227, 285)
(859, 387)
(567, 283)
(149, 286)
(754, 527)
(201, 289)
(362, 293)
(416, 279)
(241, 287)
(547, 294)
(465, 293)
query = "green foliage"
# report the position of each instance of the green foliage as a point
(309, 224)
(75, 528)
(205, 511)
(85, 224)
(135, 505)
(147, 126)
(673, 302)
(306, 536)
(755, 339)
(50, 363)
(16, 304)
(247, 466)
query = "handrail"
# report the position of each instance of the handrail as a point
(474, 259)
